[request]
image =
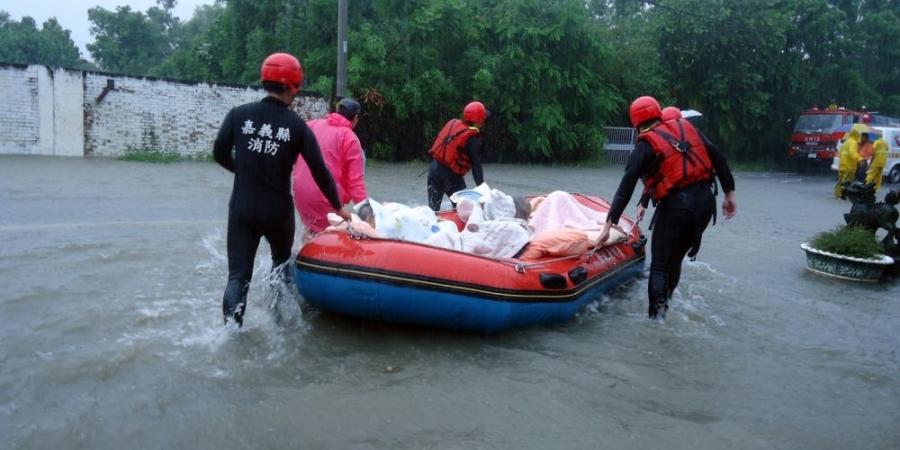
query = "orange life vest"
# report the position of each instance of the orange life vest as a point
(449, 147)
(683, 159)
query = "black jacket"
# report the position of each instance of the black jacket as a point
(267, 136)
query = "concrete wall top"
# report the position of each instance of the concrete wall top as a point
(76, 112)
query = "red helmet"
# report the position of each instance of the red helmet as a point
(644, 109)
(284, 69)
(670, 113)
(474, 113)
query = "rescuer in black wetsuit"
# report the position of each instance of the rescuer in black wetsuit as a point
(267, 137)
(456, 150)
(677, 164)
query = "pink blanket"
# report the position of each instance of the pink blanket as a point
(560, 211)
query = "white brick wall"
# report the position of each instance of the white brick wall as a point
(66, 112)
(19, 121)
(141, 113)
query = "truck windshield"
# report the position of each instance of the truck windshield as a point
(810, 123)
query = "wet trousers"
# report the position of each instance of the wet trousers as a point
(675, 232)
(442, 181)
(244, 234)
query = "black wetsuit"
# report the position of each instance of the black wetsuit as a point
(679, 220)
(267, 137)
(443, 181)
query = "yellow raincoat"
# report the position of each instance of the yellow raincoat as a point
(849, 158)
(879, 159)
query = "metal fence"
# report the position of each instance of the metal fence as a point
(619, 144)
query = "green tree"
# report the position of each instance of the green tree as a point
(542, 68)
(553, 72)
(880, 65)
(752, 66)
(722, 57)
(132, 41)
(553, 78)
(22, 42)
(196, 53)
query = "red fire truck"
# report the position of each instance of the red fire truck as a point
(815, 141)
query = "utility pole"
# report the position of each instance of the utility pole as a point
(341, 87)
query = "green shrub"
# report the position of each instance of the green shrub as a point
(848, 241)
(150, 155)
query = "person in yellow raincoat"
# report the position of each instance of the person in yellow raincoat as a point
(879, 159)
(849, 159)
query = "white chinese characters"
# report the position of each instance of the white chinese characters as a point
(265, 131)
(248, 128)
(284, 134)
(268, 146)
(256, 145)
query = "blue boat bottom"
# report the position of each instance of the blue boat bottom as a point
(408, 304)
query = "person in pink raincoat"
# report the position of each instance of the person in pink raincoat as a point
(344, 157)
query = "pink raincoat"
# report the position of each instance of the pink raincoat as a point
(344, 157)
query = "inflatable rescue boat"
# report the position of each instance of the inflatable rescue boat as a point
(406, 282)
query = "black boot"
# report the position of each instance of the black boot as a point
(658, 292)
(658, 308)
(235, 301)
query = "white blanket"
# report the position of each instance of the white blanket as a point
(498, 238)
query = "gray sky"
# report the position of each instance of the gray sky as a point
(72, 14)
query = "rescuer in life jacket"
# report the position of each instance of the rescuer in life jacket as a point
(678, 166)
(668, 113)
(456, 150)
(266, 138)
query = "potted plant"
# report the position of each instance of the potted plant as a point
(847, 252)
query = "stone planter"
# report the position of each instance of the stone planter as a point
(845, 267)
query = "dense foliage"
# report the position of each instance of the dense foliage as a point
(132, 41)
(22, 42)
(857, 242)
(553, 72)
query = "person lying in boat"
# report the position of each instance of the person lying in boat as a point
(361, 223)
(497, 230)
(393, 221)
(547, 226)
(564, 227)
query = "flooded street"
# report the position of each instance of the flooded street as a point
(112, 276)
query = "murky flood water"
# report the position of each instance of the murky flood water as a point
(112, 275)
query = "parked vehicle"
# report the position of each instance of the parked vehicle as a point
(815, 141)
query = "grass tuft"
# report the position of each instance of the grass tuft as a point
(150, 155)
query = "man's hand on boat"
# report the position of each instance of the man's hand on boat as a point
(639, 214)
(604, 235)
(344, 213)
